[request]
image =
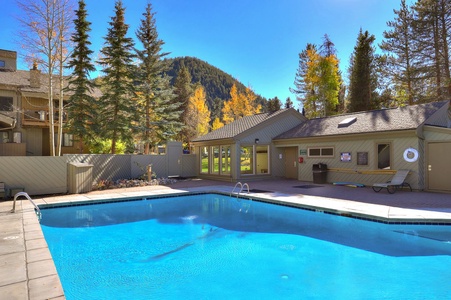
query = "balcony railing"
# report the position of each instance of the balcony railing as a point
(40, 118)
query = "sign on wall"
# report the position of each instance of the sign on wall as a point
(345, 156)
(362, 158)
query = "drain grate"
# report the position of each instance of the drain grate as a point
(259, 191)
(307, 186)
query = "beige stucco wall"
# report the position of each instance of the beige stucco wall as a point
(350, 171)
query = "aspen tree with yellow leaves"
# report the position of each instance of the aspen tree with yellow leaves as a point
(240, 105)
(198, 115)
(217, 124)
(318, 80)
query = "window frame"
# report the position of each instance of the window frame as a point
(390, 155)
(8, 99)
(215, 160)
(225, 155)
(202, 151)
(68, 140)
(321, 149)
(251, 157)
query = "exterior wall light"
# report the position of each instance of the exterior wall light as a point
(257, 140)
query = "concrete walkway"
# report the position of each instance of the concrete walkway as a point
(27, 270)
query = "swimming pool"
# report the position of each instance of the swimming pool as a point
(211, 246)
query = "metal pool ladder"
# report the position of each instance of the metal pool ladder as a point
(38, 211)
(241, 189)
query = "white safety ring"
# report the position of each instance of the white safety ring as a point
(410, 155)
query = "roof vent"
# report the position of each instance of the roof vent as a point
(346, 122)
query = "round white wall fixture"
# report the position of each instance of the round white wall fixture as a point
(411, 155)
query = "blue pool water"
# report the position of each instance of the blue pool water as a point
(213, 246)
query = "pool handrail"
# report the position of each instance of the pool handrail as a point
(241, 189)
(38, 211)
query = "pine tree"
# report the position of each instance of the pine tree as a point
(362, 79)
(273, 105)
(318, 80)
(118, 103)
(402, 62)
(158, 114)
(81, 108)
(432, 28)
(183, 91)
(289, 103)
(303, 90)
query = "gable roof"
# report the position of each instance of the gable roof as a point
(382, 120)
(242, 125)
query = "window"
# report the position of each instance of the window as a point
(6, 103)
(225, 159)
(321, 152)
(204, 161)
(68, 140)
(247, 160)
(383, 156)
(2, 64)
(215, 159)
(4, 137)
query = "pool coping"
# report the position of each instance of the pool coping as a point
(38, 278)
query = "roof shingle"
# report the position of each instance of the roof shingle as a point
(239, 126)
(401, 118)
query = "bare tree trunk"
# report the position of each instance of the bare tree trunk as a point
(438, 73)
(51, 114)
(444, 36)
(60, 108)
(40, 38)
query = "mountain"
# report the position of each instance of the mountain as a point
(216, 82)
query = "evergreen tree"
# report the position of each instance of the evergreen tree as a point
(289, 103)
(81, 108)
(117, 104)
(216, 111)
(273, 105)
(158, 114)
(362, 78)
(402, 63)
(318, 80)
(303, 90)
(432, 28)
(183, 91)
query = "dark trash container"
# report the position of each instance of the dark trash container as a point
(319, 173)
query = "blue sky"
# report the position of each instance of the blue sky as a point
(255, 41)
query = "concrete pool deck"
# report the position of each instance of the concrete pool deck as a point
(27, 270)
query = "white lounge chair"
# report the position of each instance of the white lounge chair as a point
(398, 181)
